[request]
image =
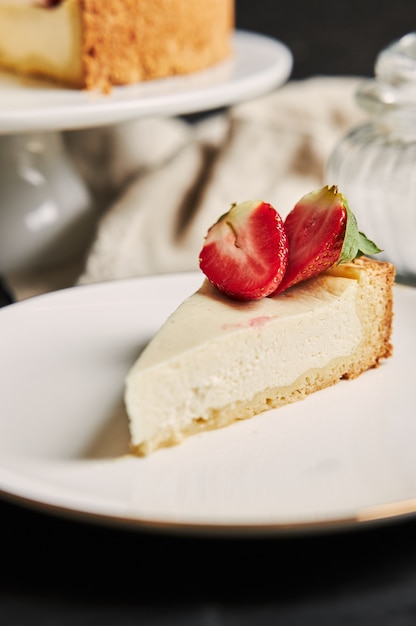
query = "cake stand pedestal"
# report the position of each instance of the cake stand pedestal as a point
(47, 212)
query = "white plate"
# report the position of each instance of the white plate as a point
(343, 456)
(259, 64)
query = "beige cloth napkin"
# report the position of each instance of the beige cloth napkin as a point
(162, 182)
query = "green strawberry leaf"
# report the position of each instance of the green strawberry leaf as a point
(366, 246)
(355, 244)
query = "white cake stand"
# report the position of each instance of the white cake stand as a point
(46, 210)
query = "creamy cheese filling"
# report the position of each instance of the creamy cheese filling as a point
(34, 38)
(213, 352)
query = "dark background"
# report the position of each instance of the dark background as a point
(56, 571)
(327, 37)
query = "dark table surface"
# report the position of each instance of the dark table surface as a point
(57, 571)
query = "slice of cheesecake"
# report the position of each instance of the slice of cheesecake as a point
(217, 360)
(95, 44)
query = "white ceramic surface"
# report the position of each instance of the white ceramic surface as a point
(259, 65)
(47, 212)
(342, 457)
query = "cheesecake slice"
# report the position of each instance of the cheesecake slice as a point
(217, 360)
(94, 44)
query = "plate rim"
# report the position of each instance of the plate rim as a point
(368, 517)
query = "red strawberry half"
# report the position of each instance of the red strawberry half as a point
(322, 232)
(245, 252)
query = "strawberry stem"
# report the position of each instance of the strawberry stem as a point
(355, 242)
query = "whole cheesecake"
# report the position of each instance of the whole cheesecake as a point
(94, 44)
(217, 360)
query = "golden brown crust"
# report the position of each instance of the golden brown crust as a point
(375, 309)
(130, 41)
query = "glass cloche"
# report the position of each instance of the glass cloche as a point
(375, 164)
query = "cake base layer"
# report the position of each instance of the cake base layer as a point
(216, 361)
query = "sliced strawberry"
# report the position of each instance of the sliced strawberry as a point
(322, 232)
(245, 252)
